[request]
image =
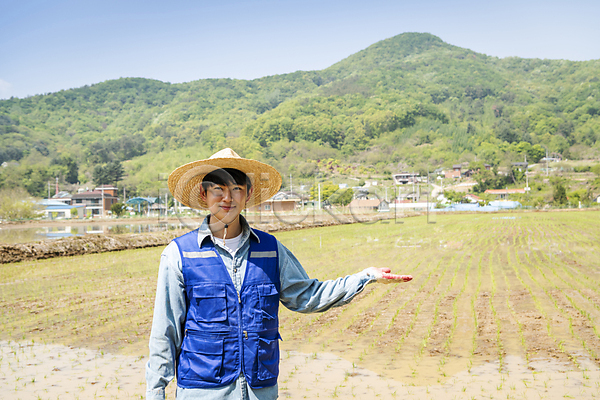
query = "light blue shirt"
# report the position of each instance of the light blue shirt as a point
(298, 293)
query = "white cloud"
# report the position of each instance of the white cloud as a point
(5, 89)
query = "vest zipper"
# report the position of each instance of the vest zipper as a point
(240, 333)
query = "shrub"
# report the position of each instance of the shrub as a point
(118, 209)
(16, 204)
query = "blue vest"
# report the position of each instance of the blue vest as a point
(227, 333)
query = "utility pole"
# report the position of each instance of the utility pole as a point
(413, 191)
(319, 191)
(429, 193)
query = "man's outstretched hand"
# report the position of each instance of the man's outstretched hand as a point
(384, 275)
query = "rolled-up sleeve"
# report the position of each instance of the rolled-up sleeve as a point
(303, 294)
(167, 323)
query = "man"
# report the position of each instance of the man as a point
(215, 322)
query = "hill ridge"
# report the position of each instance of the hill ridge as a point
(411, 100)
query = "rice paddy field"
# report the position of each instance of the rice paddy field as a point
(502, 305)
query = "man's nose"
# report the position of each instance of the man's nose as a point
(226, 194)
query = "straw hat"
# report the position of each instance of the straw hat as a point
(186, 181)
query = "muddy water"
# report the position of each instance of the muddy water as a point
(34, 231)
(13, 234)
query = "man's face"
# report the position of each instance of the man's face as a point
(226, 202)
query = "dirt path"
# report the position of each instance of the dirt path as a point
(99, 243)
(77, 245)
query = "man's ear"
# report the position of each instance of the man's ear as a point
(202, 193)
(250, 191)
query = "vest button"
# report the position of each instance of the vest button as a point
(235, 270)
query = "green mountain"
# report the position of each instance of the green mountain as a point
(411, 101)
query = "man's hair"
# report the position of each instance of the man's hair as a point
(226, 177)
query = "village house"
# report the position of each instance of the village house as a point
(56, 209)
(404, 178)
(472, 198)
(98, 201)
(455, 173)
(272, 205)
(368, 205)
(521, 166)
(502, 194)
(461, 170)
(281, 202)
(63, 197)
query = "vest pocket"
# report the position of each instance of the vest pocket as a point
(269, 301)
(268, 358)
(210, 303)
(201, 359)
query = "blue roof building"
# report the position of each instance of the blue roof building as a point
(55, 209)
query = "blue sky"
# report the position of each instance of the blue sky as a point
(50, 45)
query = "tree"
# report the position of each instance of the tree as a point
(16, 204)
(97, 152)
(115, 172)
(582, 195)
(342, 197)
(10, 153)
(505, 132)
(35, 180)
(327, 189)
(99, 175)
(118, 209)
(72, 168)
(516, 175)
(72, 175)
(489, 179)
(559, 195)
(453, 197)
(485, 179)
(131, 146)
(535, 153)
(110, 173)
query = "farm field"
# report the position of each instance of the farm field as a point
(502, 305)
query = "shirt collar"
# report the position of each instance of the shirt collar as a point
(204, 231)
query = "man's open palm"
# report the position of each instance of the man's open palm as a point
(384, 275)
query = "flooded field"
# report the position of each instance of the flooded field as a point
(501, 306)
(37, 232)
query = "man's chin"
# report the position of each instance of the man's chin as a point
(225, 218)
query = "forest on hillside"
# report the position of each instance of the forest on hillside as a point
(411, 102)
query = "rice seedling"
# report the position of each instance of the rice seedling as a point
(493, 288)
